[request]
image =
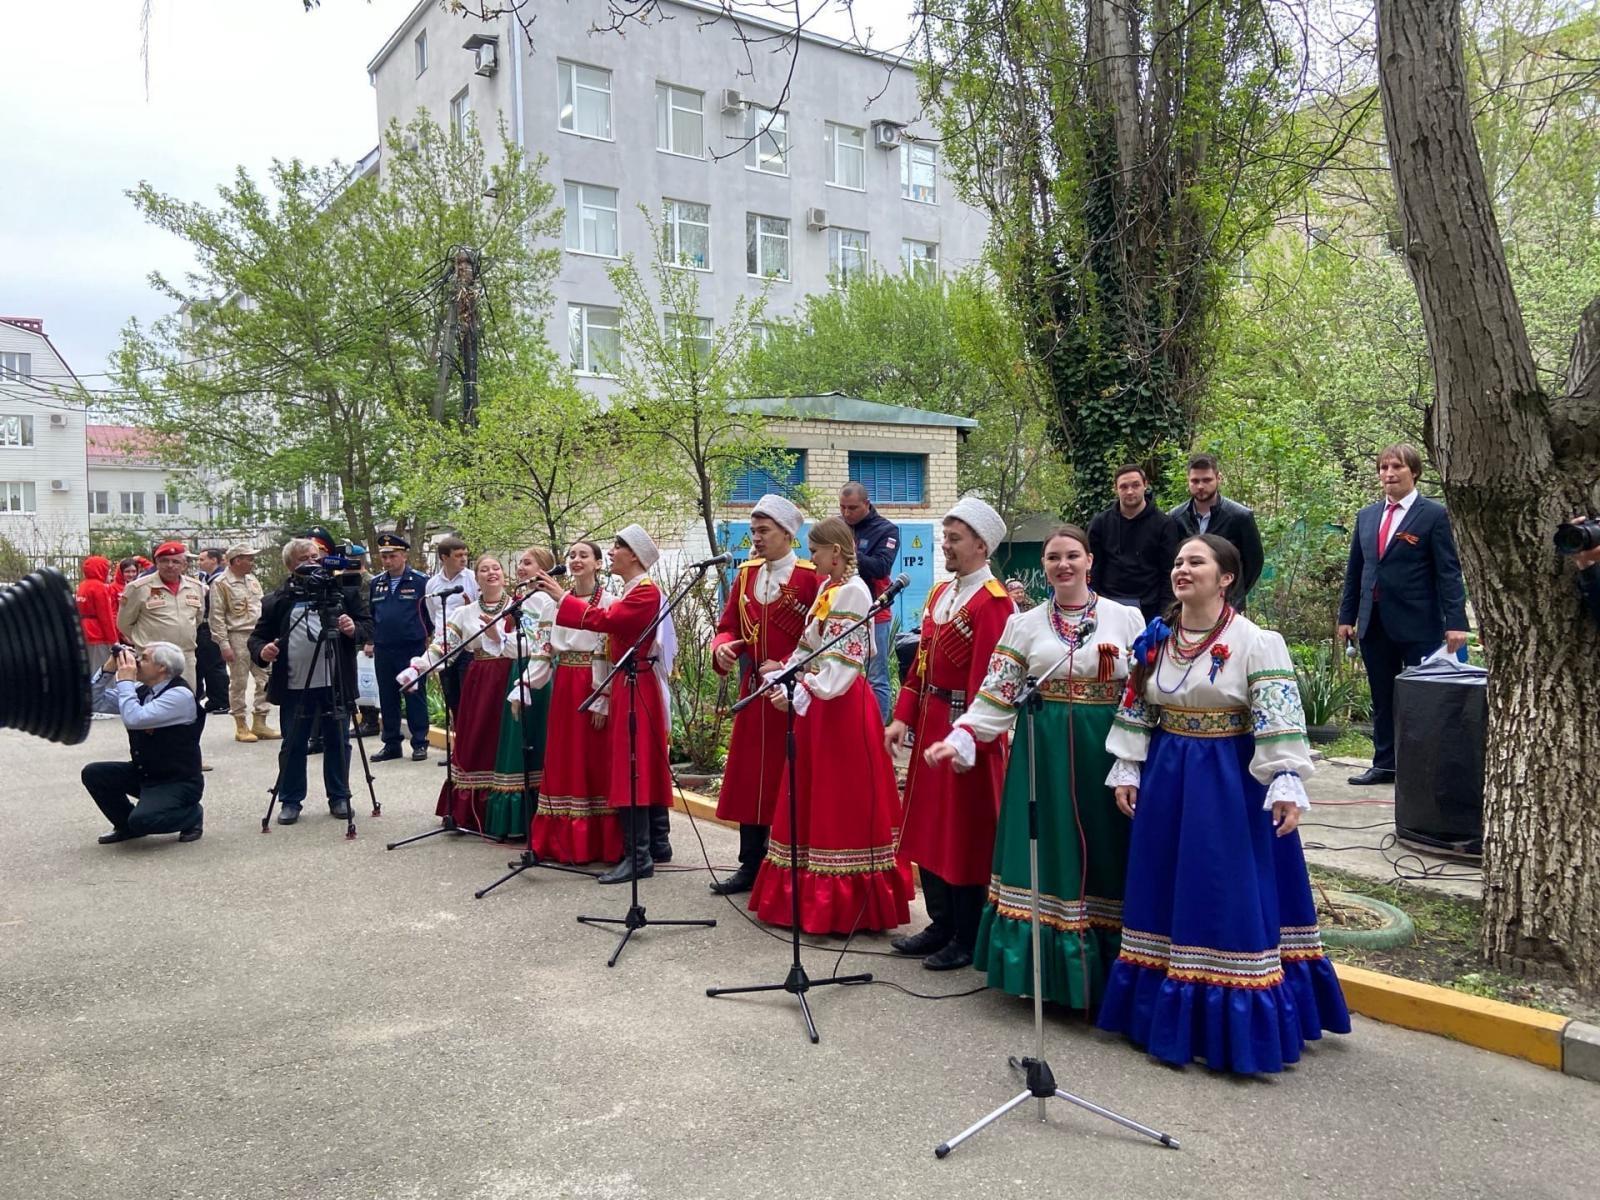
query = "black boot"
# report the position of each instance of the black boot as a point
(966, 908)
(636, 861)
(661, 834)
(752, 849)
(942, 925)
(369, 723)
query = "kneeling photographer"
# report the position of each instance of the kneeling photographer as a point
(1580, 538)
(164, 723)
(308, 634)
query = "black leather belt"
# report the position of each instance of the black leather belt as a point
(956, 699)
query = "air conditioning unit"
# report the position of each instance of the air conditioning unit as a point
(887, 135)
(816, 218)
(60, 485)
(732, 101)
(58, 420)
(483, 60)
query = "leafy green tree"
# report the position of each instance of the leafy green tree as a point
(308, 338)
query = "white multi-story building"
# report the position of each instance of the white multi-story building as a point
(758, 178)
(43, 507)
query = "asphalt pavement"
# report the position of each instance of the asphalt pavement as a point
(297, 1015)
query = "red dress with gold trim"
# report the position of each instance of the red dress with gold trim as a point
(950, 816)
(769, 631)
(622, 622)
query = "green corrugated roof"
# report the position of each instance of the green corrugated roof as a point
(836, 406)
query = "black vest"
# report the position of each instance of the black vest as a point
(171, 753)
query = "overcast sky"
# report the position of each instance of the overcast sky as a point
(232, 82)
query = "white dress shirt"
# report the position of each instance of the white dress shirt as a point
(961, 589)
(1405, 502)
(771, 576)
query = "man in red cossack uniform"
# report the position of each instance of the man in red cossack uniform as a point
(633, 553)
(760, 627)
(950, 816)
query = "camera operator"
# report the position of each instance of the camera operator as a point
(1583, 544)
(312, 689)
(164, 722)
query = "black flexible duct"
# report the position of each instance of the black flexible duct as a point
(44, 665)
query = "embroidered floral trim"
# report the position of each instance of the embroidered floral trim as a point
(1016, 904)
(818, 861)
(573, 808)
(1205, 722)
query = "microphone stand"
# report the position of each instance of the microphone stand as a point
(1040, 1081)
(628, 665)
(449, 824)
(797, 983)
(528, 859)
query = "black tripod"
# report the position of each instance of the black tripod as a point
(528, 859)
(797, 983)
(322, 652)
(629, 665)
(1040, 1080)
(449, 825)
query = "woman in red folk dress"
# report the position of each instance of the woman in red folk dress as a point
(574, 822)
(622, 622)
(847, 803)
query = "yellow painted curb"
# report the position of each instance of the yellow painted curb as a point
(703, 808)
(1494, 1025)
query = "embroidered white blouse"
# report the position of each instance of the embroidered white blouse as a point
(556, 640)
(831, 675)
(1257, 676)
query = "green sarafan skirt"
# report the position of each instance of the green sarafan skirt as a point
(509, 808)
(1083, 856)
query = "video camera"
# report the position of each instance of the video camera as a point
(1574, 537)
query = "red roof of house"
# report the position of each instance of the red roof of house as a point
(31, 324)
(127, 446)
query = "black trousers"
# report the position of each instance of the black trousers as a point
(1384, 659)
(212, 686)
(955, 909)
(302, 711)
(753, 842)
(162, 807)
(389, 661)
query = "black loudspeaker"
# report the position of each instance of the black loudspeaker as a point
(44, 665)
(1440, 731)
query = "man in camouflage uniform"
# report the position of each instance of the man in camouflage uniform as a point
(235, 609)
(165, 606)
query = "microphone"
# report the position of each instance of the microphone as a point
(557, 571)
(715, 561)
(897, 585)
(451, 591)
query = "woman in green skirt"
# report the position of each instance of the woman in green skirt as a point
(1083, 839)
(510, 805)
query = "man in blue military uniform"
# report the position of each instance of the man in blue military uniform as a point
(401, 628)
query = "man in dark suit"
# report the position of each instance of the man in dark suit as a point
(1208, 511)
(1403, 592)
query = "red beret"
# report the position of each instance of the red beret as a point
(166, 548)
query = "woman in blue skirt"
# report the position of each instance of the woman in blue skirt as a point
(1221, 956)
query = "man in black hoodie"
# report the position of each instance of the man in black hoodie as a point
(1134, 544)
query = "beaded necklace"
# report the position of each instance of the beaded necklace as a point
(494, 610)
(1188, 651)
(1061, 625)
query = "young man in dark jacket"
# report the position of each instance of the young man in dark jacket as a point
(877, 546)
(1208, 511)
(1134, 544)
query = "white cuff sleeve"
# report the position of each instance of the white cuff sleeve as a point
(1287, 786)
(802, 699)
(960, 740)
(1124, 773)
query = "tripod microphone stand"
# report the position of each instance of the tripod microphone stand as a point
(797, 983)
(1040, 1080)
(449, 825)
(628, 664)
(527, 860)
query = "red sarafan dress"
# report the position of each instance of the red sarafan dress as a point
(464, 796)
(574, 822)
(767, 610)
(951, 815)
(847, 803)
(621, 622)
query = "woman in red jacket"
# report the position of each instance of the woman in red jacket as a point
(97, 610)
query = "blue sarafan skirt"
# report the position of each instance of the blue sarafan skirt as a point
(1221, 957)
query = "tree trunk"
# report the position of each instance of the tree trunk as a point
(1510, 474)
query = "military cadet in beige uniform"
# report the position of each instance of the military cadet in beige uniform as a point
(165, 606)
(235, 609)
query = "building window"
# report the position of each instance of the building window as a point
(167, 505)
(130, 504)
(99, 504)
(846, 151)
(757, 481)
(14, 365)
(460, 115)
(686, 234)
(847, 255)
(766, 246)
(592, 219)
(680, 121)
(16, 430)
(767, 140)
(593, 339)
(420, 42)
(17, 497)
(920, 259)
(695, 330)
(919, 172)
(890, 478)
(585, 100)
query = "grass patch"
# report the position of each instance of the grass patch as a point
(1348, 744)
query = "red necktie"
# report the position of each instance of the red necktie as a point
(1383, 530)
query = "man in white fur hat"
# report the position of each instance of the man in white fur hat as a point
(950, 816)
(760, 627)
